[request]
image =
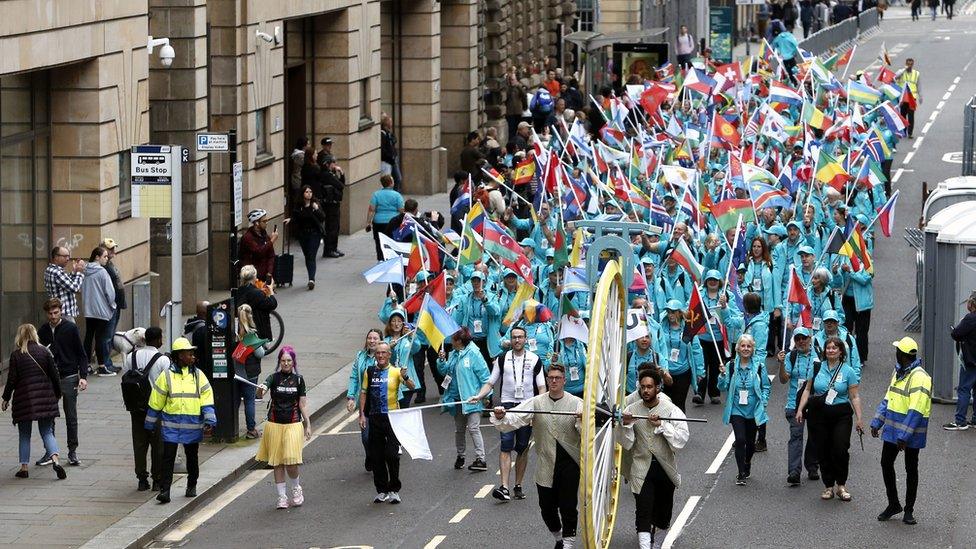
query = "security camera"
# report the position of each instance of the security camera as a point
(166, 55)
(275, 38)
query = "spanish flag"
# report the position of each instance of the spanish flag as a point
(524, 172)
(830, 171)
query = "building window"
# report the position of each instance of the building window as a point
(125, 183)
(261, 131)
(364, 114)
(587, 14)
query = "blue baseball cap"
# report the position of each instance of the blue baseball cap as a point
(527, 242)
(421, 276)
(550, 253)
(831, 315)
(806, 250)
(508, 273)
(674, 305)
(801, 331)
(399, 311)
(478, 274)
(777, 229)
(796, 224)
(713, 274)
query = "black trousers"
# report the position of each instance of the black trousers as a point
(69, 401)
(888, 454)
(789, 65)
(169, 460)
(94, 334)
(331, 238)
(482, 344)
(831, 429)
(678, 390)
(379, 228)
(146, 441)
(427, 355)
(383, 450)
(909, 114)
(655, 502)
(558, 503)
(744, 430)
(713, 359)
(774, 340)
(858, 324)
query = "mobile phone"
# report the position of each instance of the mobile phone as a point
(275, 228)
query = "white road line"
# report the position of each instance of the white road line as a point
(339, 426)
(897, 176)
(918, 142)
(940, 105)
(958, 78)
(459, 516)
(679, 524)
(191, 523)
(485, 490)
(908, 158)
(952, 88)
(935, 115)
(435, 541)
(925, 128)
(330, 434)
(717, 462)
(947, 95)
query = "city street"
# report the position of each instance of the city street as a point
(443, 507)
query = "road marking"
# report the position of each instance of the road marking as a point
(717, 462)
(459, 516)
(485, 490)
(897, 176)
(341, 433)
(679, 524)
(940, 105)
(958, 78)
(908, 158)
(947, 94)
(935, 115)
(191, 523)
(339, 426)
(435, 541)
(925, 128)
(918, 142)
(952, 88)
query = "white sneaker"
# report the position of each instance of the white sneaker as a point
(569, 543)
(380, 498)
(297, 497)
(393, 498)
(282, 502)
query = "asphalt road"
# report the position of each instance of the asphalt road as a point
(443, 507)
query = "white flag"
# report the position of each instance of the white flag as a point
(391, 248)
(636, 324)
(574, 327)
(408, 426)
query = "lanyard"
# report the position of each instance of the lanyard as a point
(521, 381)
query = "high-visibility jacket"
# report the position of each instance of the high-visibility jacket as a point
(910, 78)
(903, 415)
(181, 403)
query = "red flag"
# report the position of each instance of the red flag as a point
(696, 317)
(886, 75)
(725, 131)
(798, 296)
(424, 256)
(552, 172)
(844, 58)
(436, 289)
(909, 98)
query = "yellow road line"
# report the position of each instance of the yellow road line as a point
(459, 516)
(485, 490)
(435, 541)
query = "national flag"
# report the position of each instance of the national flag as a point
(614, 137)
(598, 161)
(883, 55)
(504, 248)
(814, 117)
(574, 327)
(830, 171)
(797, 295)
(476, 218)
(699, 81)
(726, 76)
(533, 311)
(682, 151)
(767, 196)
(524, 172)
(856, 248)
(659, 215)
(696, 317)
(736, 178)
(679, 177)
(871, 173)
(463, 202)
(891, 91)
(471, 251)
(908, 98)
(876, 146)
(424, 256)
(781, 93)
(862, 93)
(726, 131)
(674, 128)
(408, 426)
(574, 280)
(683, 256)
(436, 289)
(387, 272)
(751, 131)
(755, 174)
(835, 241)
(885, 75)
(893, 119)
(567, 307)
(845, 57)
(493, 175)
(576, 254)
(524, 292)
(727, 212)
(435, 323)
(886, 214)
(561, 248)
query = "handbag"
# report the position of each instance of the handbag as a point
(815, 403)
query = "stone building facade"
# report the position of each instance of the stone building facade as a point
(78, 89)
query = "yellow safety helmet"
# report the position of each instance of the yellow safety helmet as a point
(182, 344)
(906, 345)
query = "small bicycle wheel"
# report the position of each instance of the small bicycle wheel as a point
(277, 331)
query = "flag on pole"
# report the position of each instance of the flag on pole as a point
(886, 214)
(435, 323)
(471, 251)
(524, 293)
(830, 171)
(574, 327)
(524, 172)
(797, 295)
(408, 426)
(727, 212)
(387, 272)
(437, 289)
(696, 317)
(684, 257)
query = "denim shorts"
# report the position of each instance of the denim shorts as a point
(517, 440)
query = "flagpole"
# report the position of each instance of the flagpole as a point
(711, 333)
(878, 215)
(786, 315)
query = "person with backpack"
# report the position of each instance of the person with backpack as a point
(541, 107)
(139, 367)
(747, 393)
(519, 372)
(796, 366)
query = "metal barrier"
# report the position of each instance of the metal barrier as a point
(840, 34)
(969, 138)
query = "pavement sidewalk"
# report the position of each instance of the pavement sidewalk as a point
(98, 506)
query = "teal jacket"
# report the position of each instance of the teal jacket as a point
(689, 355)
(359, 366)
(469, 310)
(468, 373)
(760, 391)
(573, 355)
(766, 282)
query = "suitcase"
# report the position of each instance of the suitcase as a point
(284, 265)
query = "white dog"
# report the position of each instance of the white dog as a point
(125, 342)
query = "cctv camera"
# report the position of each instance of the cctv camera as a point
(166, 55)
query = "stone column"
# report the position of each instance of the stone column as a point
(460, 76)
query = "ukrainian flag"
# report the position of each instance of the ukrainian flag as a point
(435, 323)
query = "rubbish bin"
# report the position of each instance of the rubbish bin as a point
(955, 272)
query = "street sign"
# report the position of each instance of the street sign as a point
(213, 142)
(151, 179)
(238, 176)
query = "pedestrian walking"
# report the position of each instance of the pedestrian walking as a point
(120, 302)
(806, 16)
(557, 444)
(520, 377)
(257, 246)
(63, 281)
(385, 204)
(948, 6)
(908, 79)
(389, 156)
(63, 339)
(365, 359)
(34, 386)
(786, 48)
(140, 367)
(653, 444)
(181, 404)
(964, 334)
(287, 428)
(712, 341)
(249, 368)
(98, 302)
(468, 372)
(795, 367)
(309, 222)
(916, 9)
(902, 419)
(829, 400)
(682, 359)
(934, 6)
(684, 47)
(380, 387)
(747, 392)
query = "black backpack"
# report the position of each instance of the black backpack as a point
(136, 386)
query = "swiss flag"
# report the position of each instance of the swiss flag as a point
(886, 75)
(727, 75)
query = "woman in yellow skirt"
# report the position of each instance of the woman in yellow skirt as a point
(281, 445)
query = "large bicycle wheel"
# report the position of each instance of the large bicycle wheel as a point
(604, 391)
(277, 332)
